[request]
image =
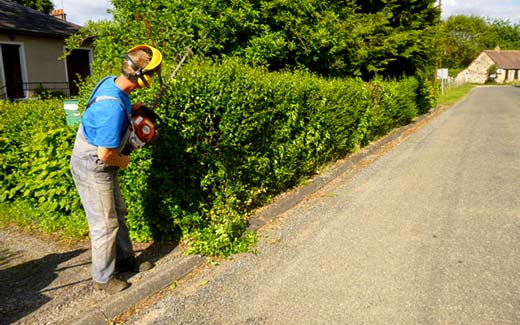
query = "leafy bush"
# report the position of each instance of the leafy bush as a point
(19, 122)
(44, 93)
(234, 136)
(34, 164)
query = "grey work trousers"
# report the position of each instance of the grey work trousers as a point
(101, 198)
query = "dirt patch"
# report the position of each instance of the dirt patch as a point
(44, 281)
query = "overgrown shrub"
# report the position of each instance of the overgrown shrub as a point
(34, 166)
(236, 136)
(233, 137)
(45, 94)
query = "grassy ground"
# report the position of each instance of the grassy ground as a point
(453, 94)
(16, 214)
(22, 216)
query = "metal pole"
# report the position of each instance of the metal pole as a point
(174, 73)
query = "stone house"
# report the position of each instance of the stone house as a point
(31, 47)
(498, 65)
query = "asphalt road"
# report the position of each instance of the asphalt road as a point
(428, 232)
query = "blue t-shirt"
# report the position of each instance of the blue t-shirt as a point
(106, 121)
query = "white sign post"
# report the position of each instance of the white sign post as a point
(443, 75)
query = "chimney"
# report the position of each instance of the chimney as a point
(497, 48)
(59, 13)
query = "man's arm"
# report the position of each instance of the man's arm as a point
(112, 157)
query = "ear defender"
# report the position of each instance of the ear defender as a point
(143, 75)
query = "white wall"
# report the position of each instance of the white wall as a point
(40, 59)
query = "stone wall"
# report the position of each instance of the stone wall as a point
(477, 71)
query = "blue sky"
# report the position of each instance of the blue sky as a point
(80, 11)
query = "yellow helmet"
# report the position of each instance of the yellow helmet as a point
(143, 75)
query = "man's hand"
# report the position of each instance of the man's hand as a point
(137, 106)
(112, 157)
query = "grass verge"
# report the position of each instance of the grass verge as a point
(454, 93)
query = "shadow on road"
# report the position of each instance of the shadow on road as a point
(22, 286)
(43, 290)
(156, 250)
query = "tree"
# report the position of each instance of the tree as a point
(467, 36)
(402, 37)
(44, 6)
(506, 34)
(331, 38)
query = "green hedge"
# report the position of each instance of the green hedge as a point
(233, 137)
(35, 146)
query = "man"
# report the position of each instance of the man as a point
(97, 155)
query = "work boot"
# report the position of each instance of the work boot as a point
(132, 264)
(113, 286)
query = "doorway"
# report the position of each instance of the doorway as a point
(12, 68)
(78, 68)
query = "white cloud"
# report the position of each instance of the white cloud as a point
(503, 9)
(81, 11)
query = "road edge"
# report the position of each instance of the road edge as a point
(178, 267)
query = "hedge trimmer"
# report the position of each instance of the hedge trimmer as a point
(145, 122)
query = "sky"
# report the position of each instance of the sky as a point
(81, 11)
(500, 9)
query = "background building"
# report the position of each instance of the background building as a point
(492, 65)
(31, 50)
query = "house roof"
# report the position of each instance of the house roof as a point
(505, 59)
(18, 19)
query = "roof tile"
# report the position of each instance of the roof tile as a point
(505, 59)
(20, 19)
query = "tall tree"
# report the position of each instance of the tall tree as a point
(507, 35)
(338, 38)
(44, 6)
(403, 36)
(467, 36)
